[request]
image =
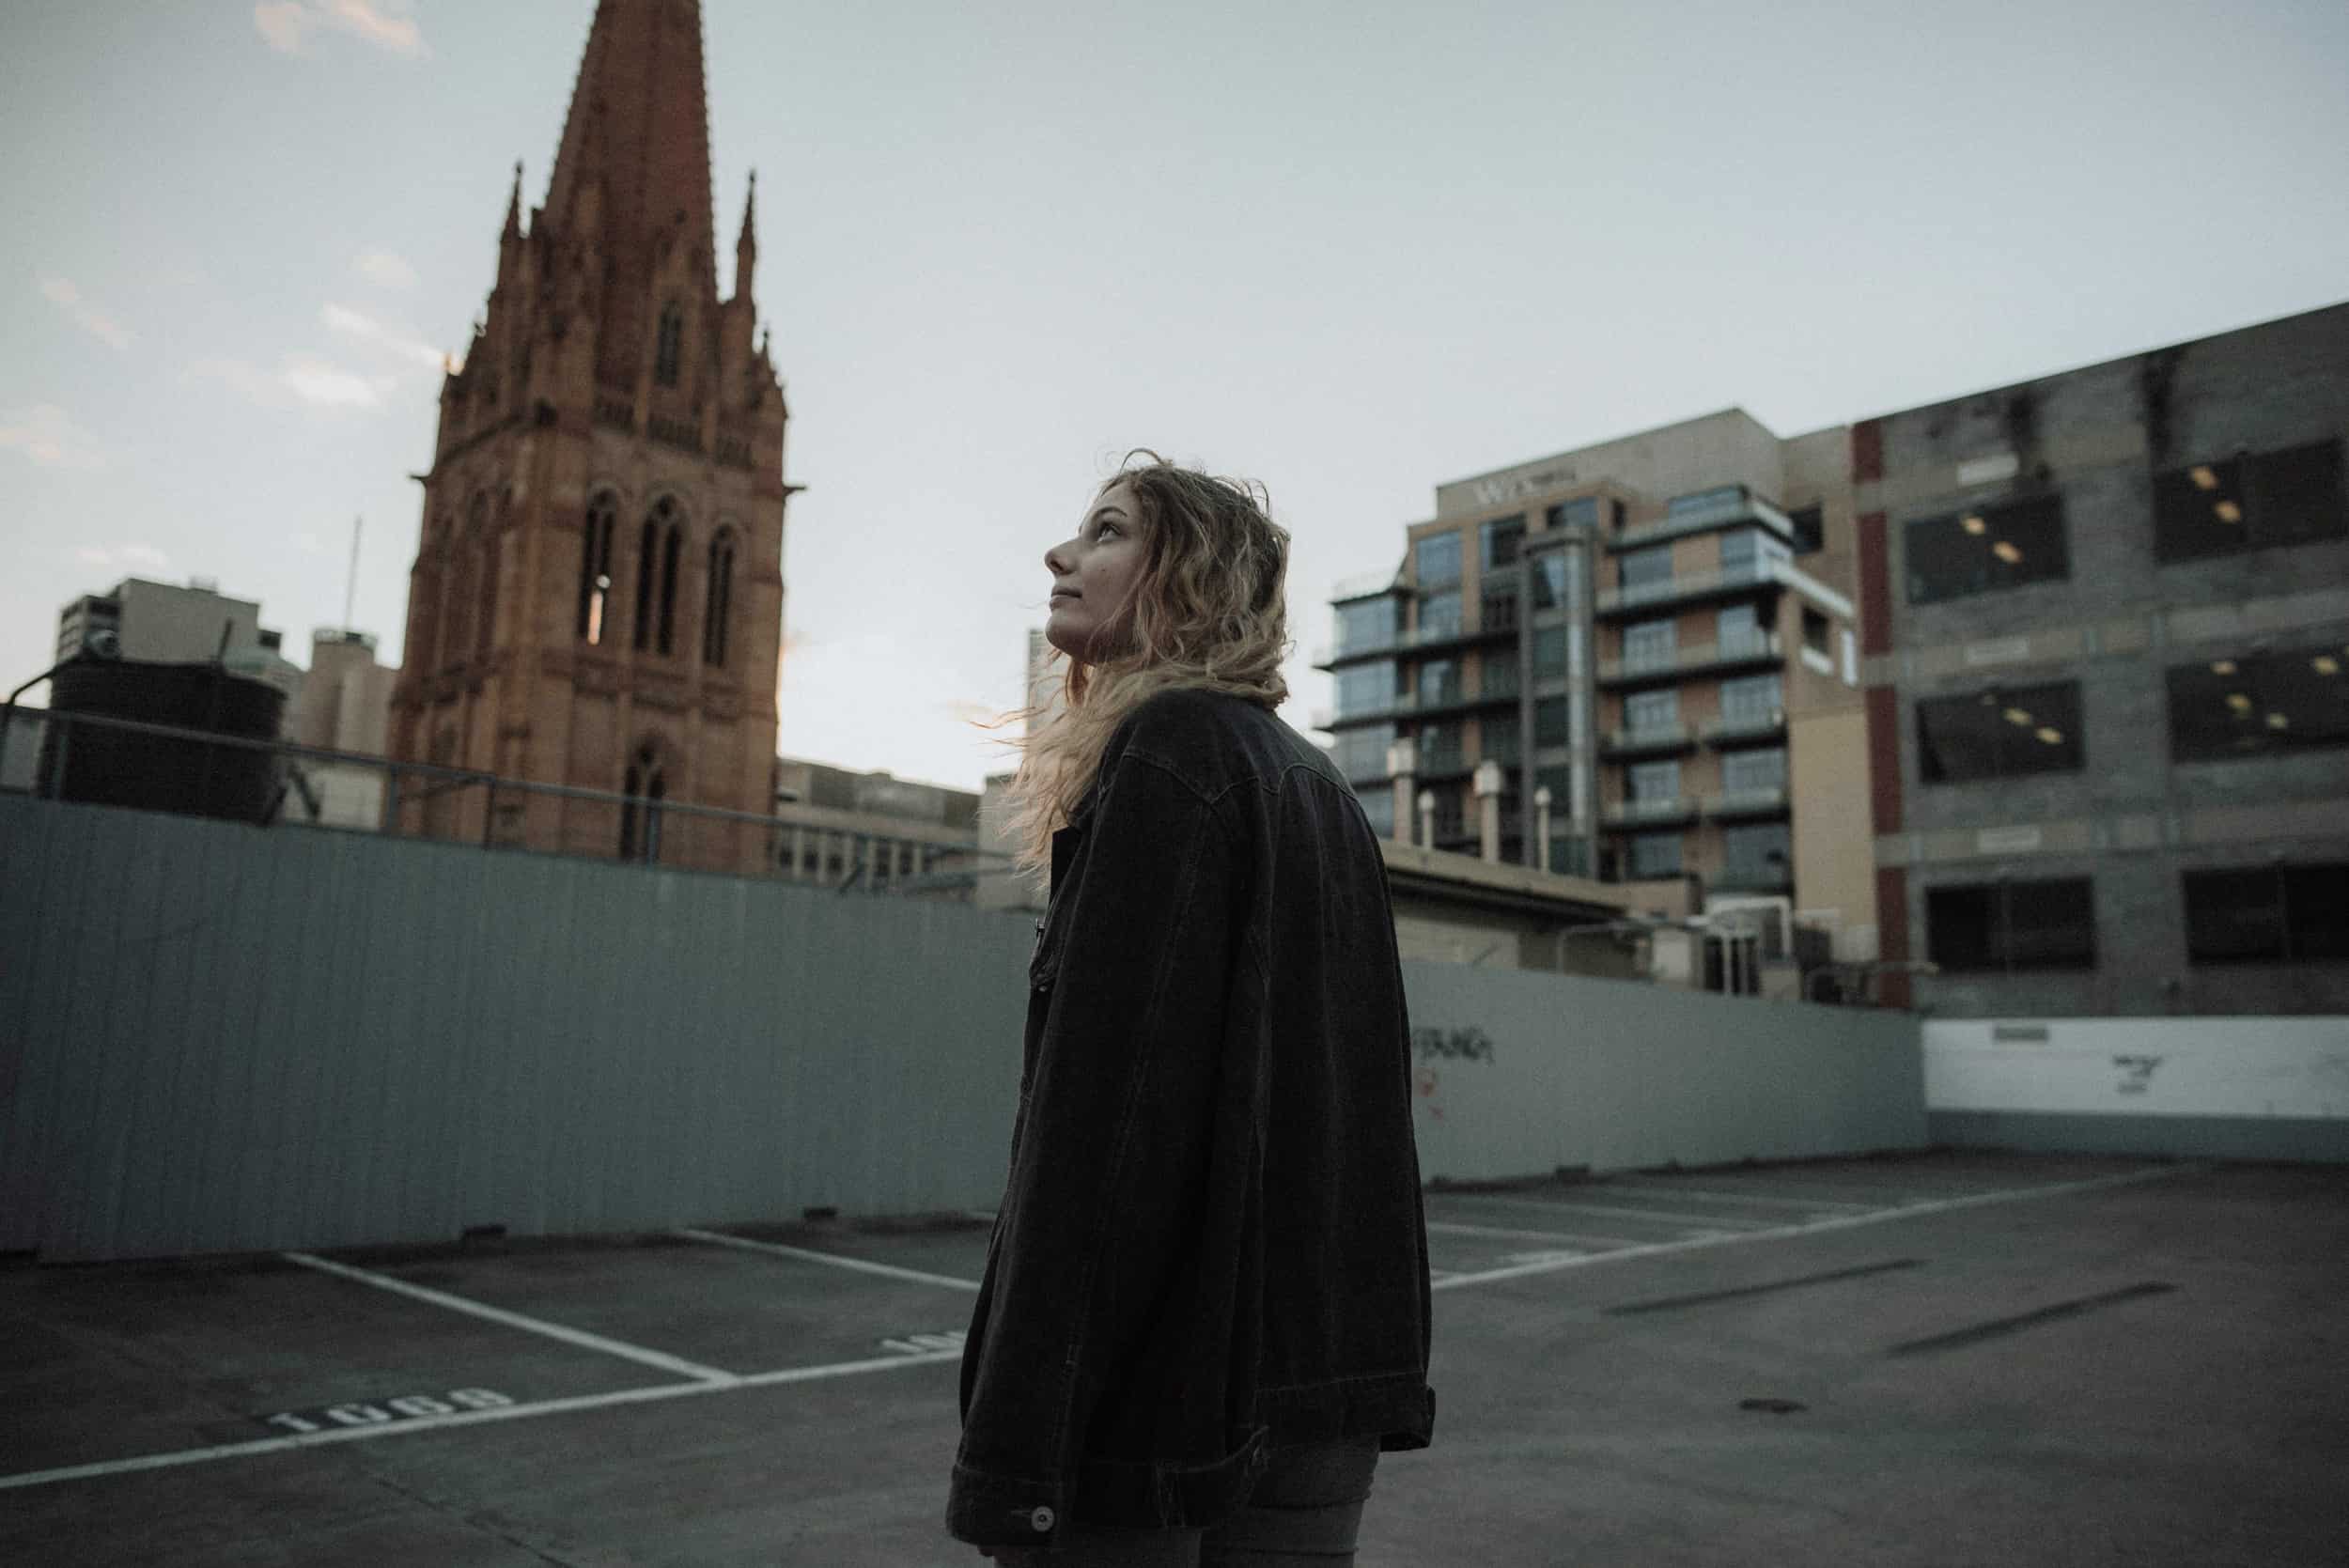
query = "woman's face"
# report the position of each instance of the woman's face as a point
(1093, 576)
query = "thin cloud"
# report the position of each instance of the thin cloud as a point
(122, 556)
(47, 436)
(286, 25)
(385, 269)
(367, 328)
(298, 379)
(65, 297)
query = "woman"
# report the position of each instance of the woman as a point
(1205, 1313)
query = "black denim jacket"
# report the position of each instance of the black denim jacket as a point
(1211, 1241)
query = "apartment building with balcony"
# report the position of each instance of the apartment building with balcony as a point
(2106, 664)
(1659, 632)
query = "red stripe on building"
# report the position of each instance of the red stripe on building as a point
(1884, 759)
(1875, 586)
(1892, 934)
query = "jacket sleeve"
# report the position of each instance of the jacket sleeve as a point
(1110, 1161)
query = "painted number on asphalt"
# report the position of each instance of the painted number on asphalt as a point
(406, 1408)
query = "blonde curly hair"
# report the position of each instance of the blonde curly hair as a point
(1209, 610)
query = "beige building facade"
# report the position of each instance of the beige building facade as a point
(1655, 639)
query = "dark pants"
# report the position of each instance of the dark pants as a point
(1302, 1514)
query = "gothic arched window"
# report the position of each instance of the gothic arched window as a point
(667, 346)
(721, 599)
(594, 567)
(668, 585)
(640, 814)
(657, 546)
(480, 551)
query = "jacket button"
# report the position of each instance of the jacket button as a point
(1041, 1518)
(1039, 927)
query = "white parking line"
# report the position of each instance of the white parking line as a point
(580, 1337)
(1672, 1188)
(1511, 1231)
(1661, 1216)
(1907, 1211)
(468, 1418)
(892, 1270)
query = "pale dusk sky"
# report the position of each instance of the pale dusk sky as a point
(1352, 251)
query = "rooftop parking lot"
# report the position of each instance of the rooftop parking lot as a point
(1935, 1359)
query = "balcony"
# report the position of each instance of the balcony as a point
(1734, 803)
(1652, 813)
(1760, 647)
(1773, 877)
(1647, 741)
(1742, 507)
(1745, 729)
(1720, 581)
(1417, 640)
(1367, 585)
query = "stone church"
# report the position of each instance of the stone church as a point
(596, 599)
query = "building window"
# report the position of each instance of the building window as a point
(1439, 746)
(2264, 703)
(1654, 855)
(1552, 723)
(1439, 614)
(1368, 623)
(1638, 567)
(1549, 651)
(1646, 711)
(720, 609)
(1816, 632)
(2267, 914)
(639, 815)
(1362, 754)
(1648, 644)
(1438, 559)
(2000, 734)
(1753, 696)
(657, 547)
(1653, 781)
(1759, 770)
(2254, 502)
(1439, 682)
(1739, 627)
(2011, 926)
(1500, 738)
(669, 346)
(594, 569)
(1759, 855)
(1809, 529)
(1581, 512)
(1987, 549)
(1557, 576)
(1498, 541)
(1745, 552)
(1378, 805)
(1367, 687)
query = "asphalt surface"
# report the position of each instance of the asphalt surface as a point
(1949, 1357)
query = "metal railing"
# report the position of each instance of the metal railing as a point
(434, 801)
(1752, 647)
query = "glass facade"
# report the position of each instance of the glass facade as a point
(1654, 855)
(1366, 688)
(1553, 723)
(2259, 703)
(1653, 781)
(1361, 753)
(1368, 623)
(1439, 614)
(1764, 769)
(2255, 502)
(1438, 681)
(1753, 696)
(1497, 541)
(1643, 711)
(1437, 560)
(1757, 855)
(1636, 568)
(1581, 512)
(1649, 643)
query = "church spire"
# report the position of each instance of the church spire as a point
(746, 244)
(640, 87)
(514, 205)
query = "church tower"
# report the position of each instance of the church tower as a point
(596, 599)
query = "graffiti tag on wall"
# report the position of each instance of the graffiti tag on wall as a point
(1470, 1045)
(2136, 1072)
